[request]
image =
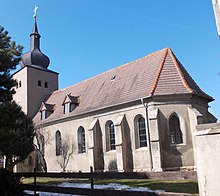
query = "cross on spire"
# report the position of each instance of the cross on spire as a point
(35, 11)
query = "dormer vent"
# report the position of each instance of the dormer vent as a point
(46, 110)
(70, 103)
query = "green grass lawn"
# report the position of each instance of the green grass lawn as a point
(178, 186)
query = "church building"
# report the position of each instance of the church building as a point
(140, 116)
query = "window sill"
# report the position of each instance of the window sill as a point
(142, 148)
(111, 151)
(81, 153)
(176, 145)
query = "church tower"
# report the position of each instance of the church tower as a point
(35, 81)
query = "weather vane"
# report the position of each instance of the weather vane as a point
(35, 11)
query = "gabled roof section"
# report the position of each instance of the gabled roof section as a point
(159, 73)
(46, 106)
(172, 78)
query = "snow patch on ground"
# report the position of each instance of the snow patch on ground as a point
(112, 186)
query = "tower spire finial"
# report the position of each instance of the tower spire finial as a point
(35, 30)
(35, 57)
(35, 11)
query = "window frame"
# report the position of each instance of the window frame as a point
(176, 136)
(39, 83)
(66, 108)
(141, 139)
(81, 140)
(58, 143)
(110, 136)
(43, 114)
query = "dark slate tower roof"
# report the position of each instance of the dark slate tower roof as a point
(35, 58)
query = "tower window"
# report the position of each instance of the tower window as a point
(39, 83)
(46, 85)
(19, 83)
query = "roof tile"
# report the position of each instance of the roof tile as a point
(159, 73)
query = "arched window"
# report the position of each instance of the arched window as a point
(58, 143)
(110, 136)
(176, 135)
(81, 140)
(140, 132)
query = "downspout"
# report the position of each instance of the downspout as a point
(4, 163)
(148, 132)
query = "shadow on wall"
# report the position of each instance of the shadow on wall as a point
(98, 148)
(171, 156)
(113, 166)
(126, 147)
(175, 158)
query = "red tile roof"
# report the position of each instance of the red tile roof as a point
(159, 73)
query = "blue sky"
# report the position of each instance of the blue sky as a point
(86, 37)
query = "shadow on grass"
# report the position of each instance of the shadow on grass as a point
(178, 186)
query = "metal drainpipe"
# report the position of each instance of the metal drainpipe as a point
(148, 132)
(4, 163)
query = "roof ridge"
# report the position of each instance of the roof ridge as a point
(159, 72)
(134, 61)
(180, 72)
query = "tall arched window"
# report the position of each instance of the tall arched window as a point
(140, 132)
(58, 143)
(110, 136)
(81, 140)
(176, 135)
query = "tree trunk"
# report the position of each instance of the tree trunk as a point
(9, 163)
(40, 164)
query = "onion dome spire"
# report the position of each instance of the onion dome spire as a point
(35, 57)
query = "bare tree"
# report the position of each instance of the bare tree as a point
(43, 137)
(66, 152)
